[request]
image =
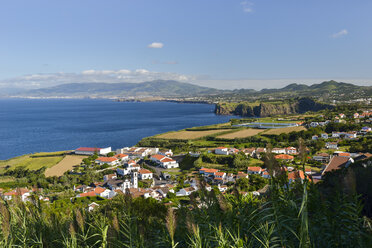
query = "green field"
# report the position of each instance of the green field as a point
(33, 161)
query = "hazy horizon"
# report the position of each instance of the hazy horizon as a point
(223, 44)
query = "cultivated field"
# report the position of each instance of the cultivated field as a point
(277, 131)
(66, 164)
(241, 133)
(187, 135)
(33, 161)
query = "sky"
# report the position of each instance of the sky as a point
(216, 43)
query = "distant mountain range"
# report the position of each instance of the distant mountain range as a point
(169, 89)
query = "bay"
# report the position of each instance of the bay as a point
(46, 125)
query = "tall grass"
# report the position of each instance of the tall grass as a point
(295, 217)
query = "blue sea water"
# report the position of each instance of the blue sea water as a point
(45, 125)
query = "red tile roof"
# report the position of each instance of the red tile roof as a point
(144, 171)
(88, 149)
(336, 163)
(167, 160)
(219, 174)
(296, 175)
(208, 170)
(284, 156)
(254, 168)
(158, 156)
(107, 159)
(120, 155)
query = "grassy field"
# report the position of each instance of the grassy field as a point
(33, 161)
(68, 163)
(241, 133)
(189, 135)
(277, 131)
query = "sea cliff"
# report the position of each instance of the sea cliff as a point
(264, 109)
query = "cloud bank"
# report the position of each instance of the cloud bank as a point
(343, 32)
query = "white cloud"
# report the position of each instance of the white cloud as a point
(35, 81)
(343, 32)
(156, 45)
(247, 6)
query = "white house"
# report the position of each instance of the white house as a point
(144, 174)
(208, 171)
(266, 175)
(278, 150)
(122, 157)
(351, 135)
(20, 192)
(164, 161)
(314, 124)
(254, 170)
(112, 161)
(321, 157)
(108, 177)
(290, 150)
(222, 188)
(366, 129)
(221, 151)
(92, 150)
(185, 191)
(92, 206)
(314, 137)
(331, 145)
(336, 134)
(168, 153)
(324, 135)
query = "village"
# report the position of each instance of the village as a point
(151, 172)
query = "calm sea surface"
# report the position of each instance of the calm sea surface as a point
(38, 125)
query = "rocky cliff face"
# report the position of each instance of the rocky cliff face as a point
(265, 109)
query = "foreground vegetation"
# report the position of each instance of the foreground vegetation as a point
(299, 216)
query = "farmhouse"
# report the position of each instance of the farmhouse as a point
(92, 150)
(164, 161)
(296, 175)
(107, 160)
(221, 151)
(19, 192)
(254, 170)
(331, 145)
(144, 174)
(285, 157)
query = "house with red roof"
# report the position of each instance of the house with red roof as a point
(164, 161)
(92, 150)
(122, 157)
(109, 176)
(112, 161)
(296, 176)
(284, 157)
(23, 193)
(144, 174)
(221, 150)
(290, 150)
(208, 171)
(336, 163)
(254, 170)
(278, 150)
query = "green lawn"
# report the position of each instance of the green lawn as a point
(33, 161)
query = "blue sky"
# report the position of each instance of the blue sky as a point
(220, 43)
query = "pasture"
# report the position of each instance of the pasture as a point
(67, 163)
(277, 131)
(241, 133)
(189, 135)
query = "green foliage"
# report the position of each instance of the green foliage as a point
(252, 183)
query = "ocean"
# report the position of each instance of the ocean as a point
(46, 125)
